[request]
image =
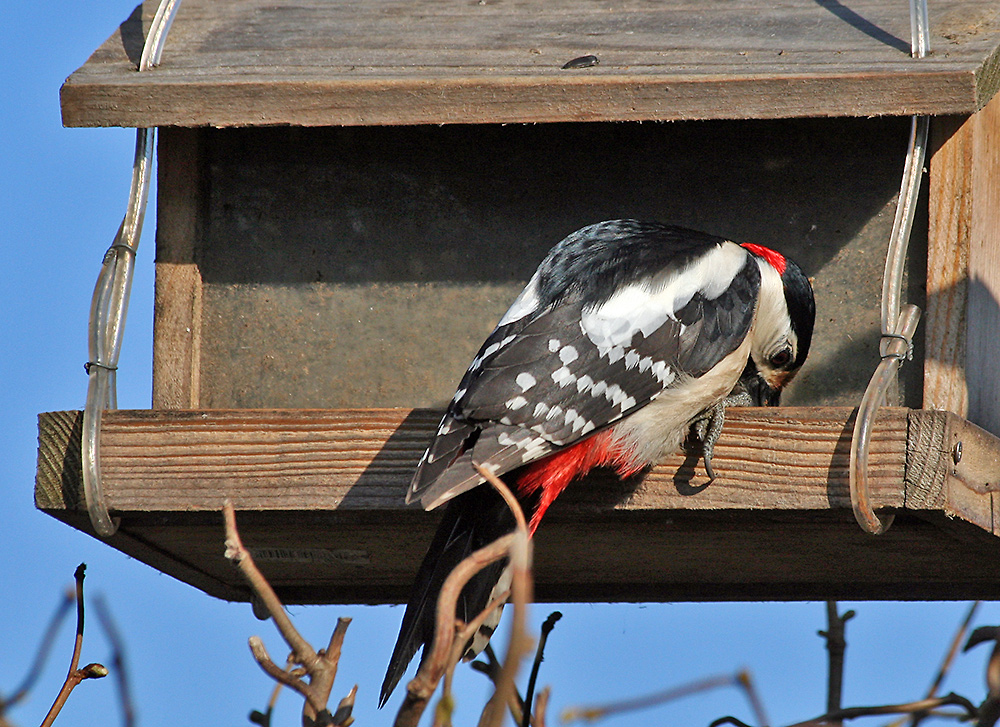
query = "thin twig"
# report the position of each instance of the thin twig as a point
(989, 711)
(491, 669)
(41, 656)
(529, 693)
(422, 686)
(465, 632)
(320, 667)
(945, 667)
(119, 665)
(441, 653)
(728, 719)
(522, 586)
(264, 718)
(744, 679)
(520, 643)
(236, 552)
(289, 679)
(512, 504)
(836, 644)
(591, 714)
(542, 706)
(956, 644)
(75, 675)
(922, 705)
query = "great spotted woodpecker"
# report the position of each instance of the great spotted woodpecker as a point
(629, 337)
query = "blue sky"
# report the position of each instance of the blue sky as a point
(62, 196)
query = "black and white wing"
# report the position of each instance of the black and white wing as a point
(615, 314)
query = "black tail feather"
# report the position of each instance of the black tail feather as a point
(471, 521)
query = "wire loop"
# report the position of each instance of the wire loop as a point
(109, 305)
(899, 322)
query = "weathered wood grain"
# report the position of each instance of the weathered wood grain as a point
(418, 62)
(319, 500)
(787, 459)
(963, 269)
(177, 334)
(363, 267)
(983, 318)
(949, 220)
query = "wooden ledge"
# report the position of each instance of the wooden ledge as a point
(380, 62)
(319, 497)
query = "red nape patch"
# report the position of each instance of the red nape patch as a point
(552, 474)
(775, 259)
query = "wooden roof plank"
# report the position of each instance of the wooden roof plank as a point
(413, 61)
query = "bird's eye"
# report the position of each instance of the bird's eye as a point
(782, 358)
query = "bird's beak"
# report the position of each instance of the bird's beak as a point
(761, 393)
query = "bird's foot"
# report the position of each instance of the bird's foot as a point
(707, 427)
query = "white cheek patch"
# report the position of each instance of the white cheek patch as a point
(772, 328)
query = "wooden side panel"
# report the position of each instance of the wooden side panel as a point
(983, 352)
(949, 223)
(178, 295)
(962, 373)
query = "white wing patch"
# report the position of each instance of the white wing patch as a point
(525, 303)
(644, 306)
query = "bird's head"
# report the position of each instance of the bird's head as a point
(783, 328)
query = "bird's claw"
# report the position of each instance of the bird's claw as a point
(707, 428)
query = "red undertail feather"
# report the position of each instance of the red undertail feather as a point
(552, 474)
(776, 259)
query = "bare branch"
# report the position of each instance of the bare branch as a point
(989, 710)
(320, 667)
(118, 662)
(923, 705)
(591, 714)
(321, 678)
(836, 644)
(491, 668)
(522, 594)
(236, 552)
(443, 652)
(542, 706)
(956, 644)
(729, 719)
(75, 675)
(547, 626)
(507, 495)
(264, 718)
(745, 681)
(288, 678)
(422, 686)
(41, 656)
(467, 631)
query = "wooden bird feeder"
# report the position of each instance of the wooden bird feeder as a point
(350, 194)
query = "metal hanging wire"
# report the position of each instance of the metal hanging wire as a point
(109, 305)
(899, 322)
